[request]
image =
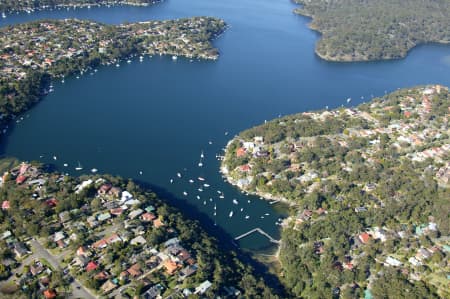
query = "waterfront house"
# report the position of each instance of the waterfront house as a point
(148, 217)
(203, 287)
(150, 209)
(136, 213)
(103, 190)
(114, 192)
(158, 223)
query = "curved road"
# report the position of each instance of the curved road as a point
(78, 290)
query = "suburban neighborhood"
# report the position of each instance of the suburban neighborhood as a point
(114, 242)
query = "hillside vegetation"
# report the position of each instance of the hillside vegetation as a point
(362, 30)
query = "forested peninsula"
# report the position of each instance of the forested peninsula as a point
(33, 54)
(366, 30)
(29, 6)
(369, 189)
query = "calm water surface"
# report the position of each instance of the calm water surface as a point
(156, 117)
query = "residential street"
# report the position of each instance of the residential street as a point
(78, 290)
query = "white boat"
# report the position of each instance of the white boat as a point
(140, 172)
(222, 196)
(267, 214)
(200, 190)
(215, 214)
(215, 207)
(206, 185)
(94, 170)
(185, 193)
(262, 217)
(174, 57)
(128, 61)
(171, 181)
(3, 15)
(54, 158)
(210, 199)
(218, 191)
(62, 81)
(198, 197)
(210, 142)
(202, 155)
(79, 167)
(141, 58)
(249, 201)
(235, 201)
(231, 214)
(200, 164)
(201, 179)
(178, 174)
(117, 65)
(204, 202)
(191, 181)
(349, 100)
(246, 216)
(65, 164)
(242, 209)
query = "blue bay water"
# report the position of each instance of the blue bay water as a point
(157, 116)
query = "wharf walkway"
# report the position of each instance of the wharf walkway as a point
(259, 230)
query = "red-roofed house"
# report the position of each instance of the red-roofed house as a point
(52, 202)
(245, 168)
(23, 168)
(113, 238)
(104, 189)
(101, 276)
(82, 251)
(91, 266)
(147, 217)
(135, 270)
(5, 205)
(20, 179)
(157, 223)
(116, 211)
(364, 238)
(171, 266)
(49, 294)
(240, 152)
(100, 244)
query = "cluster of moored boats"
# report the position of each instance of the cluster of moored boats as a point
(202, 191)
